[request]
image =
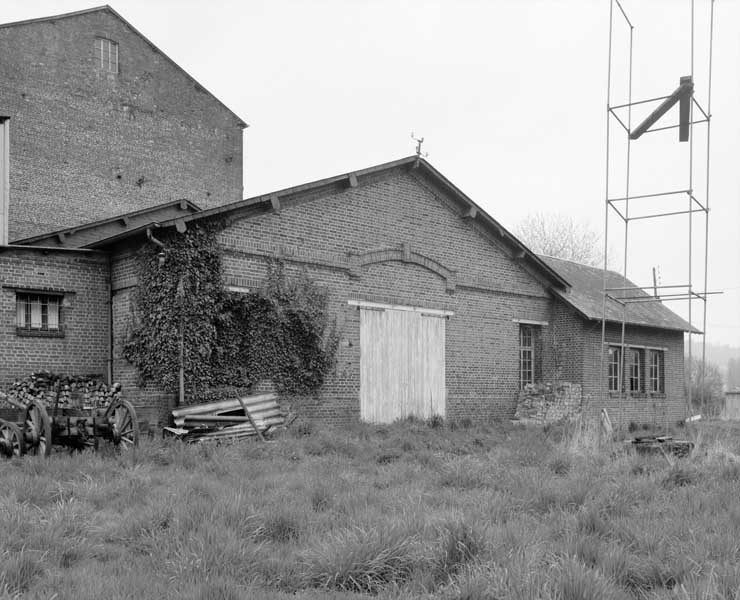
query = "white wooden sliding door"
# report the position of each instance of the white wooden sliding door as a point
(402, 363)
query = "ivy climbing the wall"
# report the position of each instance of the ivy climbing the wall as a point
(282, 332)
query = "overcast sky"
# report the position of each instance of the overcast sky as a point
(510, 96)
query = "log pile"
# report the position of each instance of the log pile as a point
(64, 391)
(228, 419)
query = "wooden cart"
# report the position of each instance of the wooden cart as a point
(34, 431)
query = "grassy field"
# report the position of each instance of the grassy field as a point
(404, 511)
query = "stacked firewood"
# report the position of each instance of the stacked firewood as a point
(65, 391)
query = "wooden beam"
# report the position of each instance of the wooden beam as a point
(684, 112)
(471, 212)
(275, 203)
(181, 226)
(124, 220)
(353, 180)
(183, 204)
(685, 89)
(61, 236)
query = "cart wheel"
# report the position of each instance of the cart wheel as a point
(124, 425)
(37, 430)
(11, 440)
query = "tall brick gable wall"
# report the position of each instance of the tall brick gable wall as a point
(82, 278)
(86, 144)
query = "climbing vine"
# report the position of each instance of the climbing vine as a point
(282, 332)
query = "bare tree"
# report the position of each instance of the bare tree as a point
(706, 388)
(561, 236)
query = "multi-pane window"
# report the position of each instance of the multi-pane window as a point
(37, 312)
(526, 355)
(655, 372)
(106, 54)
(614, 360)
(634, 370)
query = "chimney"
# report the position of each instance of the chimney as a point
(4, 178)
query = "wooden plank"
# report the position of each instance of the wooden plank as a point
(251, 420)
(260, 414)
(223, 405)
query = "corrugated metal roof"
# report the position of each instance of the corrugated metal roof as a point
(586, 296)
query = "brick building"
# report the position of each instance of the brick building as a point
(440, 309)
(101, 122)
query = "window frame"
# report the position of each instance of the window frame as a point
(24, 313)
(614, 369)
(634, 366)
(106, 61)
(656, 372)
(527, 354)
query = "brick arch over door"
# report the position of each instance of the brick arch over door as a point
(405, 255)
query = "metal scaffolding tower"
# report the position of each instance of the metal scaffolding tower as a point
(692, 203)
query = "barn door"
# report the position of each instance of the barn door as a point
(402, 364)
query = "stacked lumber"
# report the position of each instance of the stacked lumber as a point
(228, 419)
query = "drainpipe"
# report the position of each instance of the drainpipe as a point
(4, 178)
(110, 319)
(159, 243)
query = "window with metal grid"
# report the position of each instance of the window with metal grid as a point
(655, 375)
(37, 312)
(634, 365)
(526, 355)
(614, 379)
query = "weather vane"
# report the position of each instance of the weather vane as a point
(419, 142)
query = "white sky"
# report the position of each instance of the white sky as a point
(509, 94)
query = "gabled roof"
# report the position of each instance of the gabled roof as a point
(260, 204)
(109, 9)
(90, 233)
(586, 296)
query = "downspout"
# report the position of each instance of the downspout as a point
(159, 243)
(110, 319)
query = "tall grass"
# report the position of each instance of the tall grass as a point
(477, 511)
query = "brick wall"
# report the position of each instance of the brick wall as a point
(82, 278)
(438, 260)
(658, 409)
(101, 144)
(397, 240)
(152, 403)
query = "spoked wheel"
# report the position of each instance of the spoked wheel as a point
(37, 430)
(124, 425)
(11, 440)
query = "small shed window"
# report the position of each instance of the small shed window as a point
(106, 54)
(37, 312)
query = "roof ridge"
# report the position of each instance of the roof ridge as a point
(74, 13)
